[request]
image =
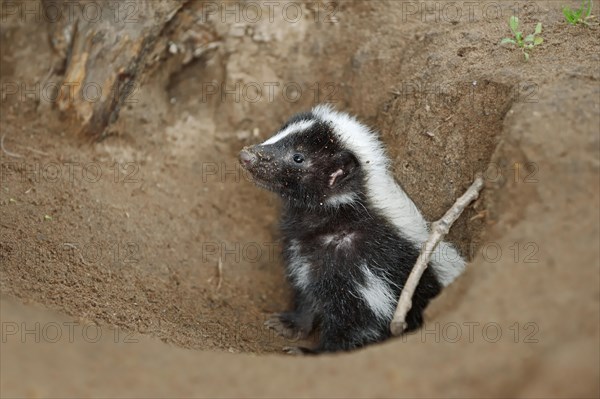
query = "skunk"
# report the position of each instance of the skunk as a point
(350, 234)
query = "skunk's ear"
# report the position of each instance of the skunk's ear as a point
(346, 165)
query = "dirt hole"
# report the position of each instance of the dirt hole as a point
(129, 231)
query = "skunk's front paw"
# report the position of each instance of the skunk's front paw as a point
(285, 325)
(298, 350)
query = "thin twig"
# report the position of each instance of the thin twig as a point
(432, 133)
(219, 273)
(4, 150)
(438, 230)
(480, 215)
(34, 150)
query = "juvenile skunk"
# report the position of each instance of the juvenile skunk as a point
(350, 234)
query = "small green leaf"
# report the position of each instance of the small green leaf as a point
(513, 22)
(569, 15)
(529, 38)
(538, 28)
(589, 10)
(567, 12)
(526, 56)
(538, 40)
(508, 40)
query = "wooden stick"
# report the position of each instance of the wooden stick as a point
(438, 230)
(9, 153)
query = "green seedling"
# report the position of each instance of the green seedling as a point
(579, 16)
(524, 43)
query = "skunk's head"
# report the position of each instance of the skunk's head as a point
(308, 161)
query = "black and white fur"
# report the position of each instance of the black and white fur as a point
(351, 235)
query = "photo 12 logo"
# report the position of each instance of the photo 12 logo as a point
(269, 11)
(108, 253)
(65, 93)
(463, 11)
(471, 331)
(269, 92)
(71, 172)
(53, 332)
(69, 11)
(482, 94)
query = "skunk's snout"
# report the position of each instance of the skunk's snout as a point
(250, 156)
(247, 158)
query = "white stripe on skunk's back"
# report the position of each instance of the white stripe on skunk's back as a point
(383, 191)
(378, 295)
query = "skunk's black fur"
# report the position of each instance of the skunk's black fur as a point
(347, 251)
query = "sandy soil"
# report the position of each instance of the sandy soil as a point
(124, 236)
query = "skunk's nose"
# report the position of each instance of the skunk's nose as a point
(247, 158)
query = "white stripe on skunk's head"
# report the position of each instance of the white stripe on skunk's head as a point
(309, 163)
(355, 137)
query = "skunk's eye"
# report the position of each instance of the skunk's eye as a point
(298, 158)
